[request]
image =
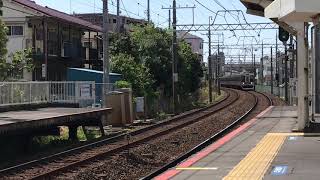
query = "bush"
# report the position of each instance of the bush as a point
(122, 84)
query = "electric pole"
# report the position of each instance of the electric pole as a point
(271, 71)
(262, 67)
(292, 60)
(148, 11)
(210, 64)
(286, 72)
(118, 16)
(169, 18)
(277, 67)
(218, 70)
(174, 58)
(105, 52)
(255, 74)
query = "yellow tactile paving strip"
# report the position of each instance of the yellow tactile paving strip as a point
(257, 162)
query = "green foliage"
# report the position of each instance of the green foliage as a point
(19, 61)
(122, 84)
(136, 74)
(144, 58)
(3, 41)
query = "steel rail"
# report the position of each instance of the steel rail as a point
(119, 137)
(205, 143)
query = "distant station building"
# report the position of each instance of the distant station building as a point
(194, 41)
(55, 38)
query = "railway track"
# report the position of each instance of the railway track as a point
(64, 161)
(262, 101)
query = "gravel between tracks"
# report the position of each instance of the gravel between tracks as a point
(149, 156)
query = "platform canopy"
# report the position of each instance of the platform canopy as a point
(293, 10)
(258, 7)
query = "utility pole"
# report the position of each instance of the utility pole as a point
(271, 71)
(262, 67)
(148, 11)
(105, 52)
(255, 74)
(118, 16)
(218, 70)
(210, 64)
(286, 72)
(292, 60)
(169, 18)
(277, 67)
(174, 58)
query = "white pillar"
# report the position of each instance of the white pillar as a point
(303, 105)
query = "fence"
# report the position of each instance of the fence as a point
(20, 93)
(280, 91)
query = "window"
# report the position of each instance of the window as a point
(114, 21)
(87, 44)
(15, 30)
(201, 46)
(9, 31)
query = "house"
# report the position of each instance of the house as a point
(90, 39)
(55, 38)
(194, 41)
(124, 24)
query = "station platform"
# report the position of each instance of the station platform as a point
(19, 122)
(263, 148)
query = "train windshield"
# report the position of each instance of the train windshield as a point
(247, 79)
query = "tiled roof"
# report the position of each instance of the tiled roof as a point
(59, 15)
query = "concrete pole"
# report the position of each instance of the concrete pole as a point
(174, 58)
(169, 18)
(302, 63)
(118, 16)
(210, 63)
(286, 73)
(261, 66)
(278, 68)
(148, 11)
(271, 71)
(105, 52)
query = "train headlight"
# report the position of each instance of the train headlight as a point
(242, 82)
(251, 83)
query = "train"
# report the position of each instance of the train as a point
(243, 81)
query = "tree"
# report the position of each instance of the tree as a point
(146, 52)
(134, 73)
(3, 49)
(13, 65)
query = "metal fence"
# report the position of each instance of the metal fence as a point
(20, 93)
(280, 91)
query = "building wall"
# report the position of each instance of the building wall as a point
(70, 54)
(196, 45)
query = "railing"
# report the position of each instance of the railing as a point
(20, 93)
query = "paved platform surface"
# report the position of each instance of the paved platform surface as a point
(44, 117)
(264, 148)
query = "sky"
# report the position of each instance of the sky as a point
(137, 9)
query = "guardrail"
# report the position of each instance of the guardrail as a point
(22, 93)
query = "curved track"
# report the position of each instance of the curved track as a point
(262, 102)
(61, 162)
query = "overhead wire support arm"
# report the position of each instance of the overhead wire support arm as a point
(183, 7)
(227, 27)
